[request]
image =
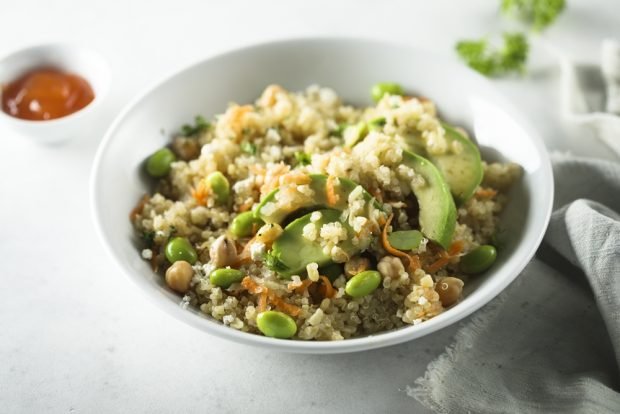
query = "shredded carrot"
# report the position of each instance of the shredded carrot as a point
(137, 210)
(251, 286)
(455, 248)
(486, 192)
(262, 300)
(327, 289)
(279, 303)
(330, 191)
(303, 286)
(200, 193)
(246, 206)
(413, 262)
(245, 255)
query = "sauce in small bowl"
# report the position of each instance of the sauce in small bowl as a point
(46, 93)
(49, 92)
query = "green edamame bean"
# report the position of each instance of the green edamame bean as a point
(478, 260)
(179, 248)
(225, 277)
(363, 283)
(158, 164)
(381, 88)
(405, 239)
(243, 224)
(220, 186)
(276, 324)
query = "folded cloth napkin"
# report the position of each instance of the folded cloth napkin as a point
(551, 342)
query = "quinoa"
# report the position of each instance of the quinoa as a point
(258, 148)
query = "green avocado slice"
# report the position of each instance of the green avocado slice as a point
(437, 210)
(317, 184)
(291, 252)
(462, 171)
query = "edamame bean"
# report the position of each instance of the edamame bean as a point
(220, 186)
(405, 239)
(363, 283)
(478, 260)
(179, 248)
(158, 164)
(276, 324)
(381, 88)
(225, 277)
(244, 223)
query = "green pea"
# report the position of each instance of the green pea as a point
(332, 271)
(478, 260)
(376, 124)
(363, 283)
(243, 224)
(179, 248)
(405, 239)
(158, 164)
(276, 324)
(225, 277)
(220, 186)
(381, 88)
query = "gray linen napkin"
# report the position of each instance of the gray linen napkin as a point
(551, 342)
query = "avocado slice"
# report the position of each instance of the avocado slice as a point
(318, 183)
(291, 252)
(463, 171)
(437, 210)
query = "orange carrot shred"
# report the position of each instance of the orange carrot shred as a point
(386, 244)
(486, 192)
(262, 301)
(327, 288)
(279, 303)
(251, 286)
(455, 248)
(330, 191)
(200, 193)
(303, 287)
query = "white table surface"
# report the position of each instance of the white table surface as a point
(75, 336)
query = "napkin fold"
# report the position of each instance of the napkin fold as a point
(551, 342)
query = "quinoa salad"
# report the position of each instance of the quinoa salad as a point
(299, 216)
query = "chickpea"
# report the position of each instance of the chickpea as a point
(390, 267)
(223, 252)
(356, 265)
(449, 290)
(186, 148)
(179, 275)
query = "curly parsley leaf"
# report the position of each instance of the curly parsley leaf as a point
(539, 14)
(481, 56)
(200, 125)
(272, 261)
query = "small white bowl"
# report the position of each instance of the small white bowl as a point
(71, 58)
(350, 66)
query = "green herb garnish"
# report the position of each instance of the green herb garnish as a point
(490, 61)
(537, 13)
(274, 263)
(248, 147)
(303, 158)
(200, 125)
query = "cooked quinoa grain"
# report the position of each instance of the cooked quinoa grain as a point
(321, 184)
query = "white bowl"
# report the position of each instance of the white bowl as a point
(75, 59)
(350, 67)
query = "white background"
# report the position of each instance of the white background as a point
(75, 336)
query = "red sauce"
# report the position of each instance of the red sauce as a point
(46, 93)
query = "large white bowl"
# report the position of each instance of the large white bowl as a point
(349, 66)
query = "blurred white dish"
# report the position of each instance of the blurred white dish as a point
(70, 58)
(350, 67)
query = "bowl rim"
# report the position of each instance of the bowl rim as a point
(379, 340)
(72, 48)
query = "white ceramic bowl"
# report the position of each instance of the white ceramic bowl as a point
(350, 67)
(75, 59)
